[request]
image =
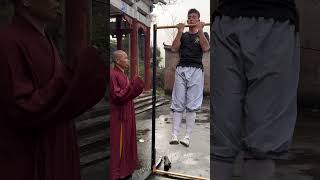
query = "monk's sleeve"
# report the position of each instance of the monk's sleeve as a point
(27, 106)
(136, 89)
(120, 95)
(21, 102)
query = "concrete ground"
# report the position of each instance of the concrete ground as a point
(302, 164)
(193, 160)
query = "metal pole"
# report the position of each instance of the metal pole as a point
(175, 26)
(154, 89)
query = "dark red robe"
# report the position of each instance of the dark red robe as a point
(122, 93)
(39, 98)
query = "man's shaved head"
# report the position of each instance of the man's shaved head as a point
(117, 54)
(120, 58)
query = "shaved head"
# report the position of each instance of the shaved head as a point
(120, 58)
(117, 54)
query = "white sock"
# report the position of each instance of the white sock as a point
(176, 121)
(190, 121)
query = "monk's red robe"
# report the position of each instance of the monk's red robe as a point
(39, 98)
(123, 143)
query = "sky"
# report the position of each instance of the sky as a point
(174, 14)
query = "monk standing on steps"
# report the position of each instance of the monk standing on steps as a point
(40, 97)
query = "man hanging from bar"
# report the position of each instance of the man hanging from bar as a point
(40, 97)
(187, 94)
(123, 143)
(255, 74)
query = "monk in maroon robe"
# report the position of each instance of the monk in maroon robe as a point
(40, 97)
(123, 142)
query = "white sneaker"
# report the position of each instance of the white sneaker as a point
(174, 140)
(185, 141)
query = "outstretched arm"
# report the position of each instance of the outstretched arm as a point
(204, 40)
(177, 41)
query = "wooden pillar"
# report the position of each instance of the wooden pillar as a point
(89, 21)
(134, 49)
(147, 68)
(119, 33)
(77, 12)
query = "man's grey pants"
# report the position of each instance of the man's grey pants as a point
(187, 95)
(254, 80)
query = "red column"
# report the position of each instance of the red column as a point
(119, 41)
(147, 68)
(134, 48)
(119, 33)
(76, 28)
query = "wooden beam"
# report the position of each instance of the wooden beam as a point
(178, 175)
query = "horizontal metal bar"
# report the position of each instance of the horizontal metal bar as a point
(175, 26)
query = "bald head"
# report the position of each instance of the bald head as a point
(117, 54)
(120, 58)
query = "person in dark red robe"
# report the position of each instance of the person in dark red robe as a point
(123, 142)
(40, 97)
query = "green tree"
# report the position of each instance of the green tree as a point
(158, 59)
(159, 71)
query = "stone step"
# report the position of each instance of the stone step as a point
(95, 123)
(94, 157)
(101, 122)
(144, 94)
(94, 142)
(102, 108)
(147, 103)
(149, 107)
(142, 99)
(92, 125)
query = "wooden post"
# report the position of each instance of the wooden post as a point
(119, 33)
(147, 67)
(76, 28)
(133, 49)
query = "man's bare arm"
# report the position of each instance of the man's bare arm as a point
(204, 43)
(177, 41)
